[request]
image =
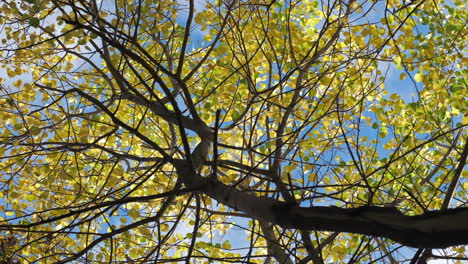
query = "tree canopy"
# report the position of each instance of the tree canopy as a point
(233, 131)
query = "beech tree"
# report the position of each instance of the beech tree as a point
(233, 131)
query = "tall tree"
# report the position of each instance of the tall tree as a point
(235, 131)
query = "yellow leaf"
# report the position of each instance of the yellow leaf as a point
(133, 213)
(308, 167)
(226, 244)
(312, 177)
(164, 227)
(11, 73)
(394, 97)
(418, 77)
(465, 120)
(145, 231)
(68, 27)
(208, 37)
(455, 111)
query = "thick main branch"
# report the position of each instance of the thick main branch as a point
(436, 229)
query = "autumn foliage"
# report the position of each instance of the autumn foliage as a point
(233, 131)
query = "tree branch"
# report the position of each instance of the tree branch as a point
(435, 229)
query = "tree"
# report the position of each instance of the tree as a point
(233, 131)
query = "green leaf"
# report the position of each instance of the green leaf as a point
(235, 115)
(34, 22)
(35, 130)
(18, 126)
(30, 197)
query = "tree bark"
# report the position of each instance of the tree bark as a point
(435, 229)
